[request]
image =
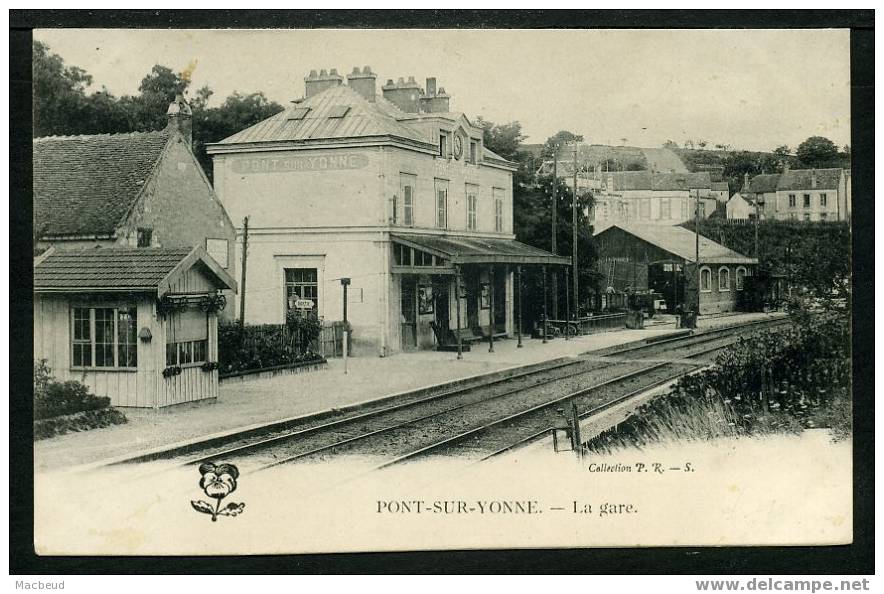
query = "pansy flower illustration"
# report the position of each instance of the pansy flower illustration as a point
(218, 481)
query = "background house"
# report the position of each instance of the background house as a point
(802, 194)
(645, 197)
(142, 189)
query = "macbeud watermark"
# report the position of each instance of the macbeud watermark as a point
(38, 585)
(783, 585)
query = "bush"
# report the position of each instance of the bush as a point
(772, 382)
(53, 399)
(82, 421)
(246, 348)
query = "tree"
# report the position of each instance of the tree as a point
(783, 151)
(818, 152)
(670, 144)
(238, 112)
(503, 139)
(558, 140)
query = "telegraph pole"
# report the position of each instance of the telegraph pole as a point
(574, 239)
(697, 252)
(242, 287)
(555, 284)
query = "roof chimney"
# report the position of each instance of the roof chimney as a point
(434, 101)
(813, 179)
(402, 94)
(363, 82)
(180, 118)
(746, 181)
(317, 83)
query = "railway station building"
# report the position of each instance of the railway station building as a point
(386, 186)
(661, 259)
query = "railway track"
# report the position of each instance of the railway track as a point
(483, 418)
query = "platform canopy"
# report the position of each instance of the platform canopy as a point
(451, 250)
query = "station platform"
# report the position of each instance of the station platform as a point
(266, 400)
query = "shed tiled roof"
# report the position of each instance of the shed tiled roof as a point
(364, 119)
(86, 185)
(720, 186)
(681, 242)
(761, 184)
(802, 179)
(647, 180)
(130, 269)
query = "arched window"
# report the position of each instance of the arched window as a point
(740, 275)
(705, 279)
(724, 279)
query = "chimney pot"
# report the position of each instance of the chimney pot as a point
(401, 81)
(323, 72)
(333, 72)
(363, 82)
(313, 74)
(431, 86)
(180, 118)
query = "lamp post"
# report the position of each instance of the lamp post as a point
(759, 204)
(574, 238)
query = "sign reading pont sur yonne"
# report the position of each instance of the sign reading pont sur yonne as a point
(311, 163)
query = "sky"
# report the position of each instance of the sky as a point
(751, 89)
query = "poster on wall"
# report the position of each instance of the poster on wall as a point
(425, 299)
(485, 296)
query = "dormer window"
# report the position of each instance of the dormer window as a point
(298, 113)
(443, 144)
(338, 111)
(473, 151)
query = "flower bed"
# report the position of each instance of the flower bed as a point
(62, 407)
(81, 421)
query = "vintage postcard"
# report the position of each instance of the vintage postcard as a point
(341, 290)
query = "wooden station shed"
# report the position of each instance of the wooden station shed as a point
(139, 325)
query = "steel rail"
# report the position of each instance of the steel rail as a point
(582, 392)
(538, 369)
(318, 450)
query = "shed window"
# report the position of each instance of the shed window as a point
(104, 337)
(807, 201)
(823, 200)
(791, 200)
(724, 279)
(739, 277)
(705, 279)
(187, 338)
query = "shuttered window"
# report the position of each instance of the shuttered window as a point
(187, 340)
